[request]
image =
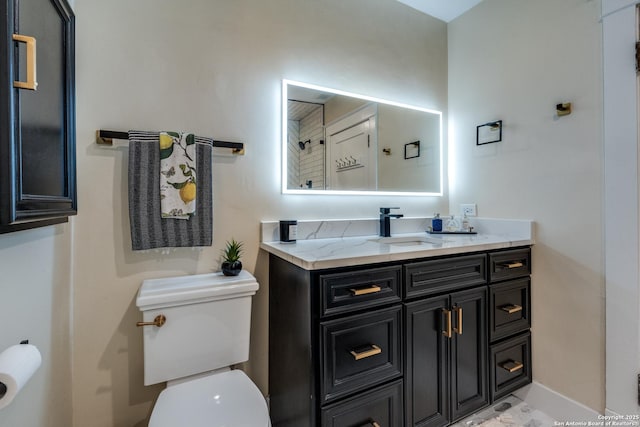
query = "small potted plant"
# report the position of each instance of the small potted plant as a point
(231, 265)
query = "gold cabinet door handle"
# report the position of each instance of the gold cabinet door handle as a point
(511, 366)
(458, 328)
(358, 355)
(364, 291)
(447, 331)
(370, 423)
(158, 321)
(511, 308)
(31, 82)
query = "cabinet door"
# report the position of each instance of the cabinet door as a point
(427, 366)
(38, 144)
(469, 386)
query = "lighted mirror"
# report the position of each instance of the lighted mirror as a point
(342, 143)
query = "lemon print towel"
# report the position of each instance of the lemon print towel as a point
(177, 175)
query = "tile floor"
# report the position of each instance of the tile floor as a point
(508, 412)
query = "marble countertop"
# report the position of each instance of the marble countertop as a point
(316, 254)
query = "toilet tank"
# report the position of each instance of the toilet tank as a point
(207, 326)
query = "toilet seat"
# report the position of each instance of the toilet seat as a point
(223, 399)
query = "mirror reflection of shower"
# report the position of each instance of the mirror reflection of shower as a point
(306, 150)
(366, 146)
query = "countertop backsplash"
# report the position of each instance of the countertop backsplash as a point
(338, 228)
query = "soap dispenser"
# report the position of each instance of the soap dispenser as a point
(436, 222)
(465, 223)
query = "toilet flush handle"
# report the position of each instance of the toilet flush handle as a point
(159, 320)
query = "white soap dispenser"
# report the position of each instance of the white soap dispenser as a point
(465, 223)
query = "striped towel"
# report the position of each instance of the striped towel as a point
(148, 229)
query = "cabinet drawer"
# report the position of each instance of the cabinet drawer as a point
(381, 407)
(509, 264)
(354, 290)
(509, 308)
(360, 351)
(431, 277)
(510, 365)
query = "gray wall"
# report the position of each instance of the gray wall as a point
(515, 60)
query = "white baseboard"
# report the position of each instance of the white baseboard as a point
(554, 404)
(610, 413)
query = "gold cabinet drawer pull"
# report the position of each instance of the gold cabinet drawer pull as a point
(447, 332)
(511, 265)
(458, 328)
(512, 366)
(364, 291)
(511, 308)
(158, 321)
(370, 423)
(367, 353)
(31, 62)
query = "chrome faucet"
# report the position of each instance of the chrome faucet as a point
(385, 221)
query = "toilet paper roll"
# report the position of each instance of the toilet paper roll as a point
(18, 363)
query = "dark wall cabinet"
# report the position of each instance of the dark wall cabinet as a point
(416, 343)
(37, 114)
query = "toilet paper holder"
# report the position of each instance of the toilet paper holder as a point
(18, 364)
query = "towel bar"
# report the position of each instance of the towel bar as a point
(106, 137)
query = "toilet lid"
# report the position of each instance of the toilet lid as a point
(226, 399)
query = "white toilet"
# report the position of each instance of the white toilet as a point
(205, 323)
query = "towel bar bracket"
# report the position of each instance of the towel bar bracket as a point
(106, 137)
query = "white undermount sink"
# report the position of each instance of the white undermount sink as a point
(409, 240)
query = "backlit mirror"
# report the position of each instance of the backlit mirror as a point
(343, 143)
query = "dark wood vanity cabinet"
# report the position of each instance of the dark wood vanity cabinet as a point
(37, 114)
(406, 343)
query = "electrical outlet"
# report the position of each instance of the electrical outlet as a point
(468, 209)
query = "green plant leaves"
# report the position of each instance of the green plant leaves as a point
(232, 251)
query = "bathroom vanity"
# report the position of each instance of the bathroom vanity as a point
(422, 333)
